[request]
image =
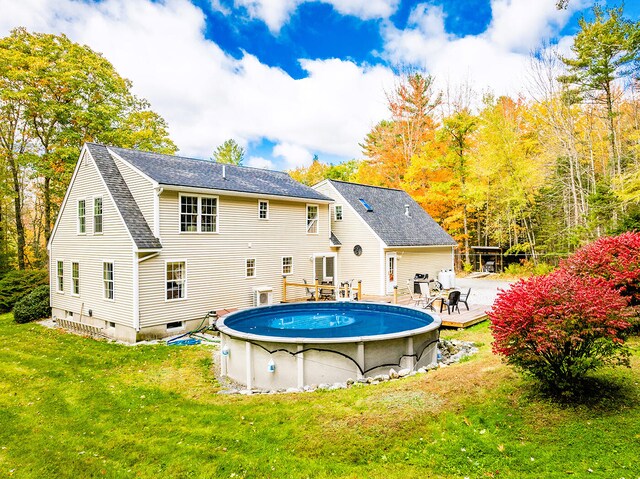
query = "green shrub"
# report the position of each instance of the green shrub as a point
(33, 306)
(16, 284)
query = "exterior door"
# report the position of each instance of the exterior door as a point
(391, 272)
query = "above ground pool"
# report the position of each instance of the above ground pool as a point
(299, 344)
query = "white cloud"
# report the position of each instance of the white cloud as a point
(294, 155)
(205, 95)
(259, 162)
(275, 13)
(496, 59)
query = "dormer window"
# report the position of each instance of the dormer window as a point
(366, 205)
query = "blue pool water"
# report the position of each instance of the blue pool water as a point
(327, 320)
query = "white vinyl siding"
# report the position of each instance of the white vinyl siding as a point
(60, 276)
(75, 279)
(198, 214)
(88, 251)
(97, 215)
(216, 265)
(352, 231)
(312, 219)
(175, 280)
(108, 280)
(263, 209)
(421, 260)
(82, 216)
(142, 190)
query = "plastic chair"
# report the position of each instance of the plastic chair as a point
(464, 298)
(310, 292)
(452, 302)
(417, 299)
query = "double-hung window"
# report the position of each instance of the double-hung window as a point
(108, 280)
(97, 215)
(60, 277)
(75, 278)
(176, 280)
(82, 217)
(263, 209)
(337, 212)
(250, 268)
(287, 265)
(198, 214)
(312, 219)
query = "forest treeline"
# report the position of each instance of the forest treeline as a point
(537, 175)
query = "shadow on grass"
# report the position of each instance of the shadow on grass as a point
(605, 394)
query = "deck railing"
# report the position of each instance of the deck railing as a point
(316, 288)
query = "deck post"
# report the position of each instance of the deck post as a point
(284, 289)
(317, 290)
(395, 294)
(359, 290)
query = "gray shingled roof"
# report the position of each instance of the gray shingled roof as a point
(334, 240)
(189, 172)
(126, 204)
(388, 218)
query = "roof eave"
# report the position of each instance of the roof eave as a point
(218, 191)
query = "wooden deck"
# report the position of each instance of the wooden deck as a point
(476, 314)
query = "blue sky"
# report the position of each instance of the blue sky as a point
(292, 78)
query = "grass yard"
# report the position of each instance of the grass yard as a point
(75, 407)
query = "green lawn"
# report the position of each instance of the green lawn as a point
(75, 407)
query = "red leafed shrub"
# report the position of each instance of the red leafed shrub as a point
(615, 259)
(559, 326)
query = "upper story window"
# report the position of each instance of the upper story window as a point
(60, 277)
(97, 215)
(263, 209)
(82, 217)
(75, 278)
(176, 280)
(337, 212)
(287, 265)
(198, 214)
(108, 280)
(250, 268)
(312, 219)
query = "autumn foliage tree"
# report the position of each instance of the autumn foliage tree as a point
(560, 326)
(615, 260)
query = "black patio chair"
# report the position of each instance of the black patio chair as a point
(464, 298)
(452, 302)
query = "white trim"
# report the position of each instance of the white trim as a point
(199, 215)
(184, 281)
(57, 278)
(387, 283)
(156, 212)
(332, 254)
(136, 290)
(268, 208)
(67, 194)
(136, 170)
(93, 215)
(306, 218)
(282, 265)
(78, 232)
(255, 268)
(215, 191)
(104, 291)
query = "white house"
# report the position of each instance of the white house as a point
(383, 237)
(146, 244)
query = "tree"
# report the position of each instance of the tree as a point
(54, 96)
(229, 152)
(606, 49)
(559, 327)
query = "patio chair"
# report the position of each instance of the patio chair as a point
(310, 292)
(465, 297)
(417, 298)
(430, 296)
(327, 293)
(452, 302)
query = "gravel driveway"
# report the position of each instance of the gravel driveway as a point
(483, 290)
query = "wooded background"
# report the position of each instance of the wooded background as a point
(537, 175)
